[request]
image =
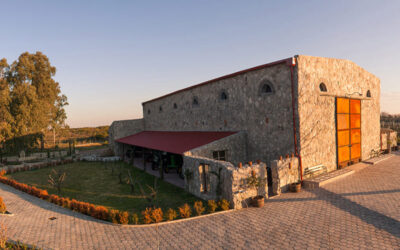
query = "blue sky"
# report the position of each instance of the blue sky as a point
(113, 55)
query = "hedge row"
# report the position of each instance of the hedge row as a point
(150, 215)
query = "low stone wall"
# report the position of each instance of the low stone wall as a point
(234, 147)
(284, 172)
(222, 180)
(120, 129)
(388, 138)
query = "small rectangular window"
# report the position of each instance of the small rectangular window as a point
(219, 155)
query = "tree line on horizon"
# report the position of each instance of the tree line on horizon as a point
(31, 101)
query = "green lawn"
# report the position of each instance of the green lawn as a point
(92, 182)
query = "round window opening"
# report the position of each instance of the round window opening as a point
(266, 88)
(368, 93)
(322, 87)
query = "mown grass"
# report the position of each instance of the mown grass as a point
(94, 182)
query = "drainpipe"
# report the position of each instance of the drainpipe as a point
(296, 149)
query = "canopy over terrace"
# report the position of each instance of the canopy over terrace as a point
(176, 142)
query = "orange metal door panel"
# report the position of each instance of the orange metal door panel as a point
(342, 105)
(355, 121)
(355, 106)
(355, 136)
(343, 138)
(355, 151)
(343, 154)
(348, 118)
(342, 121)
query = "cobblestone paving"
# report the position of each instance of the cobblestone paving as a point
(357, 212)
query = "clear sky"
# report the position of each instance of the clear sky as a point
(113, 55)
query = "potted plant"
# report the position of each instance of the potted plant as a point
(256, 182)
(295, 187)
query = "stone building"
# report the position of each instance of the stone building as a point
(324, 111)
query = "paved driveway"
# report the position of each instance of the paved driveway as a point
(359, 211)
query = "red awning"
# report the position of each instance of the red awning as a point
(173, 142)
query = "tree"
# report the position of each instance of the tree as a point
(5, 115)
(35, 101)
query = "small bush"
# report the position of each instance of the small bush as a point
(67, 203)
(113, 215)
(147, 216)
(185, 211)
(75, 205)
(135, 219)
(223, 204)
(171, 214)
(157, 215)
(53, 198)
(123, 217)
(3, 207)
(212, 206)
(198, 207)
(92, 210)
(44, 194)
(101, 213)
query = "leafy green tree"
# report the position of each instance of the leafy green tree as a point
(5, 115)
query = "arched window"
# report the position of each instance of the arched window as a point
(195, 101)
(368, 93)
(160, 108)
(322, 87)
(223, 96)
(266, 87)
(175, 106)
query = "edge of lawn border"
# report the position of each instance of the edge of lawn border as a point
(127, 225)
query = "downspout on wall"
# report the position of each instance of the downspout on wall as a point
(292, 64)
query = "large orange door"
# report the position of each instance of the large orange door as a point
(348, 130)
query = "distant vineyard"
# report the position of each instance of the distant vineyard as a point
(79, 135)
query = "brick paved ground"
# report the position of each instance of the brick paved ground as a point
(357, 212)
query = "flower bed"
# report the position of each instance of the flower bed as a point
(150, 215)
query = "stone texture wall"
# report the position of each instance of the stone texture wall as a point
(231, 181)
(388, 135)
(235, 147)
(265, 118)
(316, 109)
(119, 129)
(284, 172)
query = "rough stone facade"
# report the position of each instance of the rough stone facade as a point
(284, 172)
(316, 109)
(266, 118)
(224, 180)
(119, 129)
(235, 147)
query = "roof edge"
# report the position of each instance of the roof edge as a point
(287, 60)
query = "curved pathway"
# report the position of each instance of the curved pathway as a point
(359, 211)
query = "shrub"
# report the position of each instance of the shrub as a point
(223, 204)
(157, 215)
(212, 206)
(92, 210)
(3, 172)
(147, 216)
(185, 211)
(53, 198)
(3, 207)
(75, 205)
(84, 207)
(101, 213)
(198, 207)
(135, 219)
(67, 203)
(123, 217)
(113, 215)
(43, 194)
(171, 214)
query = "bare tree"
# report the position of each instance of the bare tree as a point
(56, 179)
(151, 195)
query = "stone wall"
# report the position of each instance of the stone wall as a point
(266, 118)
(316, 109)
(235, 147)
(388, 135)
(224, 180)
(284, 172)
(120, 129)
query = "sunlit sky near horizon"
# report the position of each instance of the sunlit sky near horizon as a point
(113, 55)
